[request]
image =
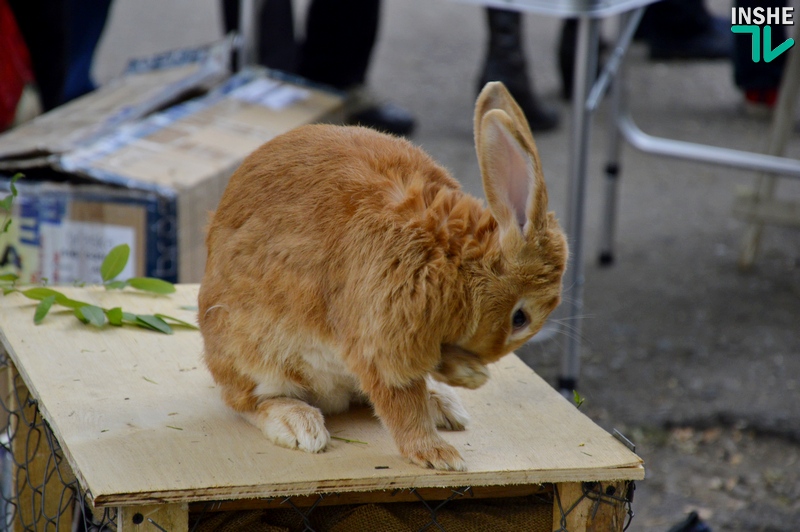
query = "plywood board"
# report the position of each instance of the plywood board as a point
(141, 420)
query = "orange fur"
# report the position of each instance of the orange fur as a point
(346, 264)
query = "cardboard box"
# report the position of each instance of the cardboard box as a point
(152, 84)
(60, 233)
(151, 182)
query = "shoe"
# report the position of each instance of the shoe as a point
(506, 63)
(692, 523)
(361, 109)
(386, 117)
(716, 42)
(759, 103)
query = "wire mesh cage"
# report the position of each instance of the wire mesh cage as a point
(39, 490)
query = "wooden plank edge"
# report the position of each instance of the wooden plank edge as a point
(441, 480)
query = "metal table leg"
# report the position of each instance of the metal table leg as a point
(613, 168)
(585, 69)
(587, 95)
(247, 43)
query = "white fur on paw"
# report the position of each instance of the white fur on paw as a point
(446, 409)
(296, 427)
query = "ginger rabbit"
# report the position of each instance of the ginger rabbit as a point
(346, 265)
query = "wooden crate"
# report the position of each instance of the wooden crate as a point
(143, 429)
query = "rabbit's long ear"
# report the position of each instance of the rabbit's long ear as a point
(512, 174)
(495, 96)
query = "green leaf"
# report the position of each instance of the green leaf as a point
(41, 292)
(349, 441)
(115, 262)
(176, 321)
(116, 285)
(43, 308)
(94, 315)
(6, 225)
(14, 179)
(130, 318)
(149, 284)
(114, 316)
(80, 316)
(5, 203)
(577, 399)
(154, 323)
(9, 277)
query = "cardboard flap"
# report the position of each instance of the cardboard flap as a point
(148, 86)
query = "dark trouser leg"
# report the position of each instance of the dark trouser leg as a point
(684, 29)
(340, 36)
(86, 20)
(761, 76)
(505, 61)
(276, 43)
(43, 27)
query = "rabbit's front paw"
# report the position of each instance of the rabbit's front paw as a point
(460, 368)
(435, 454)
(472, 376)
(292, 423)
(446, 409)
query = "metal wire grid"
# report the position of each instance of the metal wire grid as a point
(306, 522)
(35, 467)
(54, 499)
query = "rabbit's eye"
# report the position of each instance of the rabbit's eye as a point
(519, 319)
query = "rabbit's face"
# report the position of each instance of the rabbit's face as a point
(521, 285)
(518, 291)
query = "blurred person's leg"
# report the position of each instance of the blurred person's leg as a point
(685, 29)
(505, 61)
(43, 27)
(276, 41)
(85, 22)
(759, 81)
(340, 37)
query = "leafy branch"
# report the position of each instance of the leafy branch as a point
(6, 202)
(113, 265)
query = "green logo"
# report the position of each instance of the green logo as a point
(770, 53)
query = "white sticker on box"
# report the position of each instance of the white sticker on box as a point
(270, 93)
(73, 251)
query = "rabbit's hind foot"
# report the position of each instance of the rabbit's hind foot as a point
(291, 423)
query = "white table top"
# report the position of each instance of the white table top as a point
(566, 8)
